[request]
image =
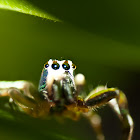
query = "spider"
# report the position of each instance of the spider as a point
(60, 93)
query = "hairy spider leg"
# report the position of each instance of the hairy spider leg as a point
(101, 97)
(91, 115)
(26, 96)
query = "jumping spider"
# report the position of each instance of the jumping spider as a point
(61, 93)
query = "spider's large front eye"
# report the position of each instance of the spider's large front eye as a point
(66, 66)
(55, 66)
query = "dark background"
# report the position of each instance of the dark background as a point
(100, 37)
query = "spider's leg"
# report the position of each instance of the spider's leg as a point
(18, 97)
(26, 96)
(120, 106)
(95, 121)
(101, 97)
(30, 90)
(31, 95)
(93, 117)
(43, 107)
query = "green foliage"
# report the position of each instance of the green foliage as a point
(24, 6)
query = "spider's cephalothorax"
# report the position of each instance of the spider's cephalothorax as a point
(57, 81)
(61, 94)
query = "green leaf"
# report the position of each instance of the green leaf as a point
(24, 6)
(20, 126)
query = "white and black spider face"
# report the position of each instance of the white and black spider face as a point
(61, 73)
(58, 69)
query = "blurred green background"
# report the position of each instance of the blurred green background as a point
(100, 37)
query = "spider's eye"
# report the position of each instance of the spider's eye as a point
(46, 65)
(74, 66)
(66, 66)
(55, 66)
